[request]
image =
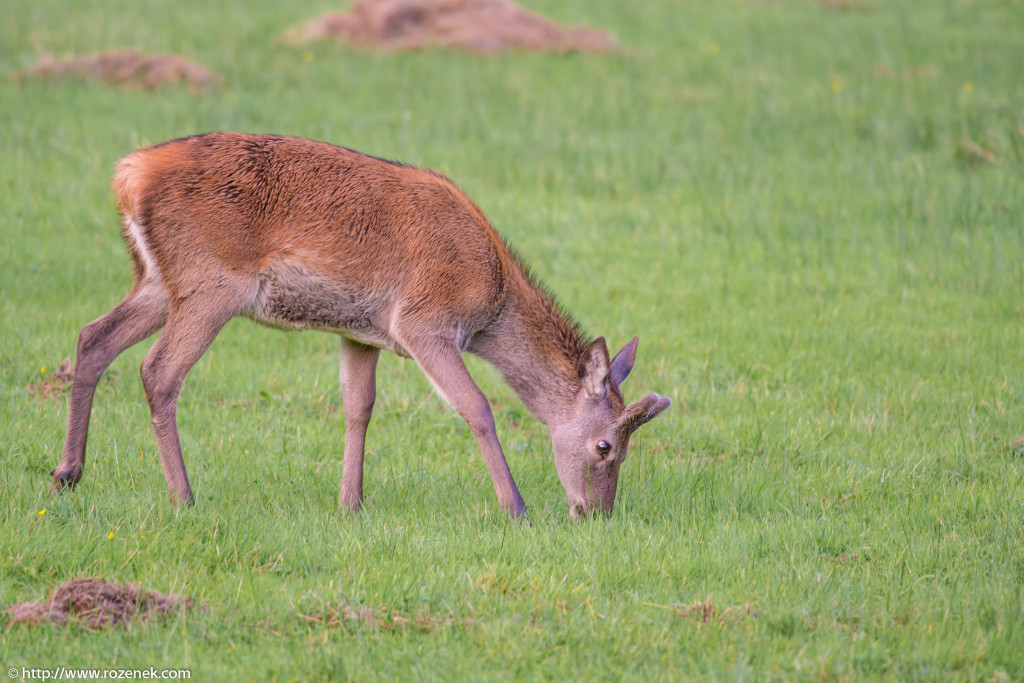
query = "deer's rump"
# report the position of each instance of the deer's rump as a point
(310, 235)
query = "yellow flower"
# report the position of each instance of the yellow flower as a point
(42, 371)
(43, 511)
(110, 535)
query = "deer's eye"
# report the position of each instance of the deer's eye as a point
(603, 447)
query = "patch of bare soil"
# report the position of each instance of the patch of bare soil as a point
(843, 559)
(56, 383)
(844, 5)
(383, 618)
(481, 26)
(98, 605)
(969, 151)
(705, 612)
(924, 71)
(920, 71)
(129, 68)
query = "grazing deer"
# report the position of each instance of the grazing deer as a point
(297, 234)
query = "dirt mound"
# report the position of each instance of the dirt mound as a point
(56, 384)
(483, 26)
(98, 604)
(129, 68)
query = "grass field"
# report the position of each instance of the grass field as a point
(814, 219)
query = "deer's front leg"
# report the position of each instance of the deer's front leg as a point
(442, 363)
(358, 391)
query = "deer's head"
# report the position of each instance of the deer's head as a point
(591, 442)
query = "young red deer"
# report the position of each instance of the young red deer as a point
(301, 234)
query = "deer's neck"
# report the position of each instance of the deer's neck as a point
(535, 345)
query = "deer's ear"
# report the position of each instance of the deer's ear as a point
(593, 368)
(622, 364)
(643, 411)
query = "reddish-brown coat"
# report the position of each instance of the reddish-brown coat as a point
(296, 233)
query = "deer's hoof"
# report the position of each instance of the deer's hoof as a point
(350, 507)
(518, 513)
(183, 501)
(64, 480)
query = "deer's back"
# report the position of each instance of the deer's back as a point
(311, 234)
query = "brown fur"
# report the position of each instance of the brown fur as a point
(301, 234)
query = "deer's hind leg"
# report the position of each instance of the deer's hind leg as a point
(141, 314)
(192, 325)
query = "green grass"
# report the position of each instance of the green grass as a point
(813, 220)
